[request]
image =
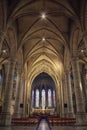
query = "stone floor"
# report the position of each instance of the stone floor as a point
(44, 125)
(52, 128)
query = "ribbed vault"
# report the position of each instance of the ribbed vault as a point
(45, 43)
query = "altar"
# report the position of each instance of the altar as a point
(43, 111)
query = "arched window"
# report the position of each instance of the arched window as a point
(49, 98)
(37, 98)
(43, 99)
(32, 97)
(54, 99)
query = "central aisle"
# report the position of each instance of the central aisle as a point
(43, 125)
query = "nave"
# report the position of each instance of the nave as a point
(43, 63)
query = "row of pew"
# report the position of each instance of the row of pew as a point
(25, 121)
(51, 120)
(56, 121)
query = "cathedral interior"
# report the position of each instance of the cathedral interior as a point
(43, 63)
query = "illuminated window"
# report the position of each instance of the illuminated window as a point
(37, 98)
(43, 99)
(33, 98)
(49, 98)
(54, 99)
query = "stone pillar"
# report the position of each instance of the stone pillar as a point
(57, 107)
(22, 96)
(80, 106)
(18, 94)
(24, 93)
(30, 99)
(65, 97)
(69, 93)
(62, 101)
(5, 117)
(26, 99)
(57, 100)
(2, 36)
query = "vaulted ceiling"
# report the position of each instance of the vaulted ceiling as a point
(43, 31)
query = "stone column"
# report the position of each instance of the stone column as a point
(58, 100)
(18, 94)
(2, 36)
(24, 91)
(65, 97)
(5, 117)
(80, 106)
(22, 96)
(25, 99)
(62, 101)
(57, 107)
(69, 93)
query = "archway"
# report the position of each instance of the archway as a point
(43, 95)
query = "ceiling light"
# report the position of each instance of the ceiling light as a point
(43, 15)
(82, 51)
(43, 39)
(4, 51)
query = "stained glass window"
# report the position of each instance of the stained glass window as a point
(37, 98)
(49, 98)
(54, 100)
(43, 99)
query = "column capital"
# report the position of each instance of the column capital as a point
(12, 60)
(67, 69)
(75, 53)
(74, 58)
(19, 68)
